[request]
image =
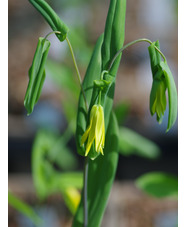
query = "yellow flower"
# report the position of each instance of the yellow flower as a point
(95, 130)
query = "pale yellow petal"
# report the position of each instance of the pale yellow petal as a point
(91, 135)
(99, 127)
(85, 135)
(101, 150)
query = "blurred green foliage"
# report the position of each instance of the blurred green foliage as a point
(158, 184)
(24, 208)
(131, 143)
(50, 159)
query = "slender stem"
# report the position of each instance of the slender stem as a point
(130, 44)
(77, 71)
(85, 176)
(53, 32)
(85, 192)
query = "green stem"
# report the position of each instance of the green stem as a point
(85, 190)
(77, 71)
(53, 32)
(103, 72)
(85, 175)
(130, 44)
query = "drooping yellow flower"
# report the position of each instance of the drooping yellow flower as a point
(95, 130)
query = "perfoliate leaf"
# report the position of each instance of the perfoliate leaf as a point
(36, 75)
(158, 184)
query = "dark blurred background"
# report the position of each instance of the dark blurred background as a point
(155, 19)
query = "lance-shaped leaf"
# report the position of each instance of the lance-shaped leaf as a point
(51, 17)
(36, 75)
(114, 36)
(100, 179)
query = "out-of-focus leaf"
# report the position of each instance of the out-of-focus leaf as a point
(101, 175)
(121, 111)
(36, 75)
(45, 153)
(80, 45)
(131, 142)
(158, 184)
(63, 77)
(24, 208)
(70, 179)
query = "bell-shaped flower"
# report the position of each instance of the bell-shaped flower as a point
(95, 131)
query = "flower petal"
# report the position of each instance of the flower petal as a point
(85, 135)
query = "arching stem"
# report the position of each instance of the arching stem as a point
(130, 44)
(78, 73)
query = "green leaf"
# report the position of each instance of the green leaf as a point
(114, 36)
(101, 175)
(63, 77)
(158, 184)
(47, 151)
(131, 143)
(51, 17)
(24, 208)
(106, 47)
(172, 94)
(36, 75)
